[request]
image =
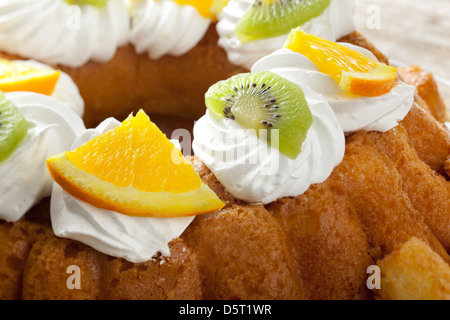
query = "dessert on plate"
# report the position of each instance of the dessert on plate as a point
(312, 164)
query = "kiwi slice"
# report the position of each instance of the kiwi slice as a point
(271, 18)
(95, 3)
(13, 127)
(264, 100)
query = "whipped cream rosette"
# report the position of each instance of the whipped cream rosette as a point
(166, 27)
(354, 113)
(56, 32)
(254, 170)
(378, 113)
(51, 128)
(332, 23)
(133, 206)
(136, 239)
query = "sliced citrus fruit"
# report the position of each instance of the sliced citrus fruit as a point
(207, 8)
(19, 76)
(371, 84)
(354, 72)
(134, 169)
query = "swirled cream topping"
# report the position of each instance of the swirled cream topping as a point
(254, 171)
(24, 178)
(335, 22)
(55, 32)
(380, 113)
(136, 239)
(165, 27)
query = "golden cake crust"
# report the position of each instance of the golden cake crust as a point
(389, 188)
(414, 272)
(169, 86)
(427, 89)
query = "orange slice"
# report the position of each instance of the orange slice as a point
(18, 76)
(354, 72)
(207, 8)
(135, 170)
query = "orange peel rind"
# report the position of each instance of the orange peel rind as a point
(131, 170)
(374, 83)
(355, 73)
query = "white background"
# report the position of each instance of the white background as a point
(411, 32)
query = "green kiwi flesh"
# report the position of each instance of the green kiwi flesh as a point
(95, 3)
(264, 100)
(13, 128)
(266, 19)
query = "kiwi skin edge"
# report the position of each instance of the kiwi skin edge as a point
(264, 100)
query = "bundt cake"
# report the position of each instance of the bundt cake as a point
(334, 190)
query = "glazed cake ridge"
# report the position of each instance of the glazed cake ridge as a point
(360, 209)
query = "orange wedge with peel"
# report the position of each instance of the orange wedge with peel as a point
(207, 8)
(135, 170)
(19, 76)
(355, 73)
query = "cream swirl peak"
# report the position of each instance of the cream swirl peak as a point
(136, 239)
(55, 32)
(24, 178)
(380, 113)
(254, 171)
(165, 27)
(335, 22)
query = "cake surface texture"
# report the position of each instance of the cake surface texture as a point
(373, 196)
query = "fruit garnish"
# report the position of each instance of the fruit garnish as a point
(447, 166)
(135, 170)
(207, 8)
(19, 76)
(264, 100)
(355, 73)
(217, 6)
(375, 83)
(95, 3)
(13, 127)
(271, 18)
